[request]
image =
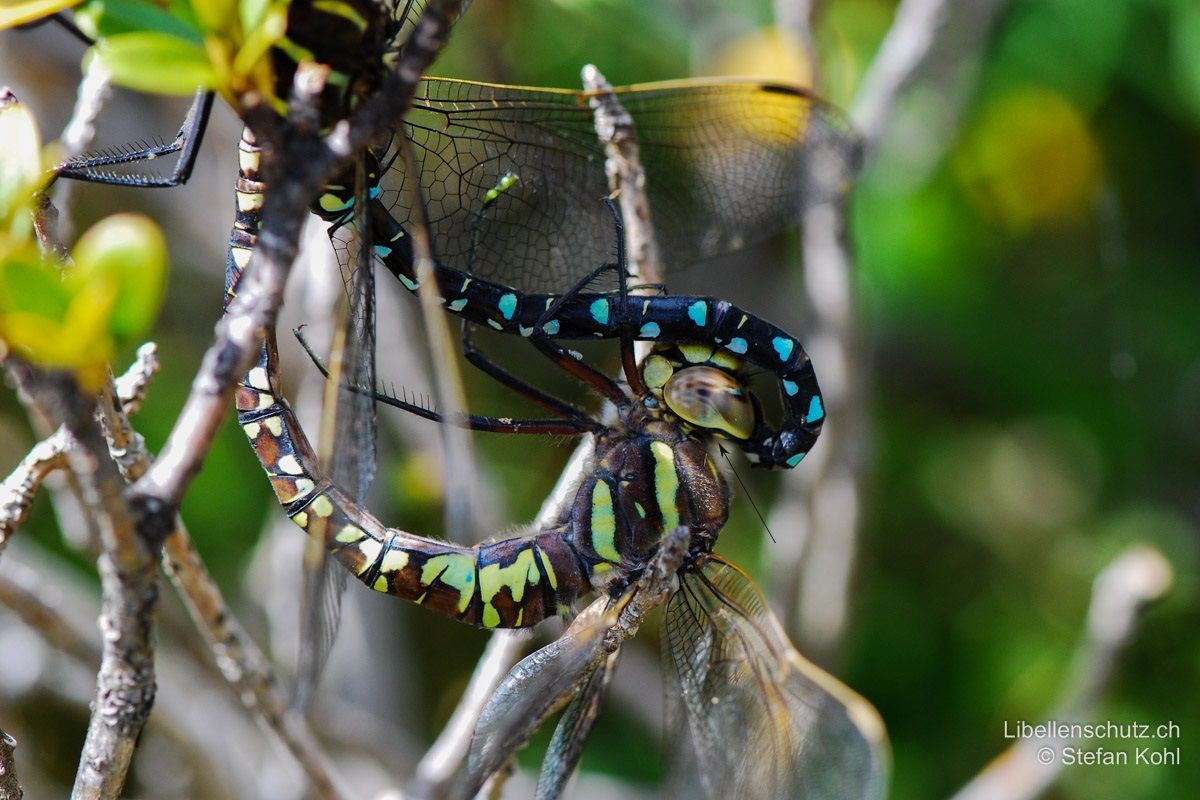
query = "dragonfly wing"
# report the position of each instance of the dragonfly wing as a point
(752, 717)
(537, 687)
(514, 175)
(572, 731)
(347, 443)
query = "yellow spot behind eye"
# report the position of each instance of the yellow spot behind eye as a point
(656, 371)
(695, 353)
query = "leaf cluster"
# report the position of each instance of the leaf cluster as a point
(71, 312)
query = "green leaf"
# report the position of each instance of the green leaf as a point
(260, 38)
(24, 11)
(114, 17)
(30, 286)
(127, 252)
(156, 62)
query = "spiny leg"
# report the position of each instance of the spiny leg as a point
(476, 358)
(92, 168)
(565, 359)
(572, 426)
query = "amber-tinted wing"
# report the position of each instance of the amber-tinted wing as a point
(514, 176)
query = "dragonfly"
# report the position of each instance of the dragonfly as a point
(755, 719)
(510, 177)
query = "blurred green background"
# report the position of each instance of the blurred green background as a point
(1026, 267)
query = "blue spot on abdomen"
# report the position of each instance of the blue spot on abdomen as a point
(507, 305)
(599, 310)
(816, 411)
(783, 346)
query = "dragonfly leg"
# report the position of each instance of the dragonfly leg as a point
(570, 426)
(476, 358)
(93, 168)
(633, 376)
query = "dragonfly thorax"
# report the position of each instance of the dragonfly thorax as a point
(650, 476)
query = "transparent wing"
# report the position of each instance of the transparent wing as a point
(514, 176)
(537, 687)
(750, 716)
(347, 443)
(572, 731)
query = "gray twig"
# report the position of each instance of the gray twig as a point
(238, 657)
(1121, 592)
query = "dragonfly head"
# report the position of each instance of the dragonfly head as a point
(700, 385)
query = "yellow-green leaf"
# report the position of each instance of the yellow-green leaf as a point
(128, 253)
(156, 62)
(20, 156)
(259, 38)
(23, 11)
(216, 16)
(29, 285)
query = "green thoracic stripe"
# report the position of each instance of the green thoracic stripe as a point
(604, 523)
(666, 484)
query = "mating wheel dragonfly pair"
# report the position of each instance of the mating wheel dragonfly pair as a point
(510, 180)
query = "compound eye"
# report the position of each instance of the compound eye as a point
(710, 398)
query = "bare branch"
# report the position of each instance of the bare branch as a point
(238, 657)
(21, 486)
(19, 489)
(10, 788)
(626, 178)
(919, 29)
(125, 682)
(1121, 592)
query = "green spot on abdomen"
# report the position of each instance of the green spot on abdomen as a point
(456, 570)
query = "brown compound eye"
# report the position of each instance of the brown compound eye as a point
(710, 398)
